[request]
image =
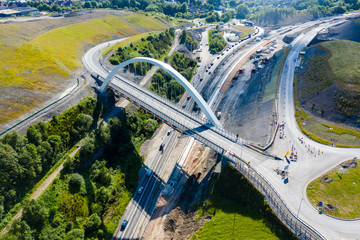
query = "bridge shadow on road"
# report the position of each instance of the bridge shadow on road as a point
(181, 190)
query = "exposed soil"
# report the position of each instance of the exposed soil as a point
(350, 30)
(243, 106)
(175, 215)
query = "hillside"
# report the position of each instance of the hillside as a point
(36, 58)
(328, 86)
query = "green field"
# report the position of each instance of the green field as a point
(238, 211)
(37, 57)
(343, 191)
(245, 31)
(233, 221)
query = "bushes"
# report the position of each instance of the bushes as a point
(155, 46)
(75, 183)
(216, 41)
(187, 40)
(165, 85)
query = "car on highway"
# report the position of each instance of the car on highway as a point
(161, 148)
(124, 224)
(140, 190)
(209, 73)
(218, 57)
(201, 79)
(168, 133)
(148, 172)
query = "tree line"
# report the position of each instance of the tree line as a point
(95, 186)
(25, 159)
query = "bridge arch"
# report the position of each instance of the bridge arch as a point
(176, 75)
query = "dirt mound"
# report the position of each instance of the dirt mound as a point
(349, 30)
(179, 225)
(183, 49)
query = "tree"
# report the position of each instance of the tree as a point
(55, 8)
(242, 11)
(33, 135)
(233, 3)
(214, 2)
(87, 4)
(75, 182)
(15, 140)
(55, 143)
(150, 127)
(9, 168)
(21, 230)
(31, 162)
(94, 4)
(35, 214)
(75, 234)
(92, 224)
(183, 36)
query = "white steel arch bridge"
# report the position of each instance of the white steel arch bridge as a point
(176, 75)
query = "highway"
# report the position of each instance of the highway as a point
(301, 173)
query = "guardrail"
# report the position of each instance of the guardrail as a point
(39, 111)
(277, 204)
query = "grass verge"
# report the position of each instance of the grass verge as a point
(245, 31)
(343, 191)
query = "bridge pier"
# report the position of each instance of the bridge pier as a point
(224, 161)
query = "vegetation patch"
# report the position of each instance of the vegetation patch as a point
(329, 83)
(271, 87)
(238, 211)
(245, 31)
(216, 41)
(166, 85)
(327, 90)
(187, 40)
(343, 192)
(89, 197)
(25, 160)
(155, 45)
